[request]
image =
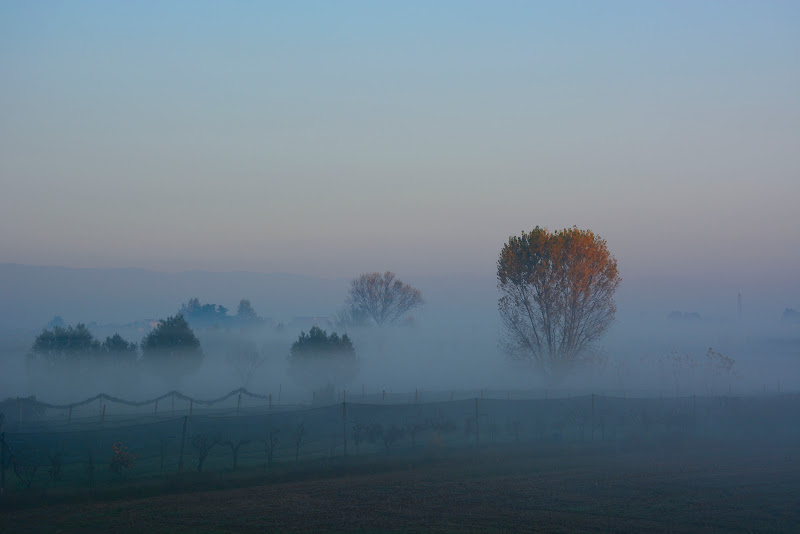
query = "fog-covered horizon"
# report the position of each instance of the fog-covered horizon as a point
(452, 345)
(99, 295)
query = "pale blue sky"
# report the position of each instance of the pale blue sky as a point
(332, 138)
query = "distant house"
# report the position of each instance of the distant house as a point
(791, 316)
(684, 317)
(265, 321)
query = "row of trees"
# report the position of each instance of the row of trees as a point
(315, 357)
(172, 343)
(556, 299)
(74, 342)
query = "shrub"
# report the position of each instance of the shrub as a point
(122, 459)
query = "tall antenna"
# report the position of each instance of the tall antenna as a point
(740, 306)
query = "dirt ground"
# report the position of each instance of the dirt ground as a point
(694, 489)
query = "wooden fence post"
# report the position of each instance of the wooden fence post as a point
(3, 459)
(477, 425)
(183, 442)
(344, 420)
(103, 417)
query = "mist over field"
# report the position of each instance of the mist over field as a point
(451, 346)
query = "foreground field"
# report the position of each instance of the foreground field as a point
(712, 487)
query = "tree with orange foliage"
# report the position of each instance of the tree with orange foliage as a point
(556, 296)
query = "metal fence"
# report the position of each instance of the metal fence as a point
(88, 445)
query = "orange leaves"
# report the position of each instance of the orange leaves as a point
(556, 293)
(122, 459)
(576, 257)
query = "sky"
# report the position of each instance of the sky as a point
(333, 138)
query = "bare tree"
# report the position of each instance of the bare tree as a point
(556, 296)
(203, 445)
(246, 359)
(299, 434)
(269, 447)
(348, 317)
(382, 298)
(235, 447)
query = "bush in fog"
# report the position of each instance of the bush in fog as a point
(556, 296)
(122, 459)
(172, 347)
(65, 344)
(317, 359)
(119, 349)
(77, 347)
(204, 314)
(381, 298)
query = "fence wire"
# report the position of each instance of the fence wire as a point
(45, 449)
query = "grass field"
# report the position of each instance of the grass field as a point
(699, 486)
